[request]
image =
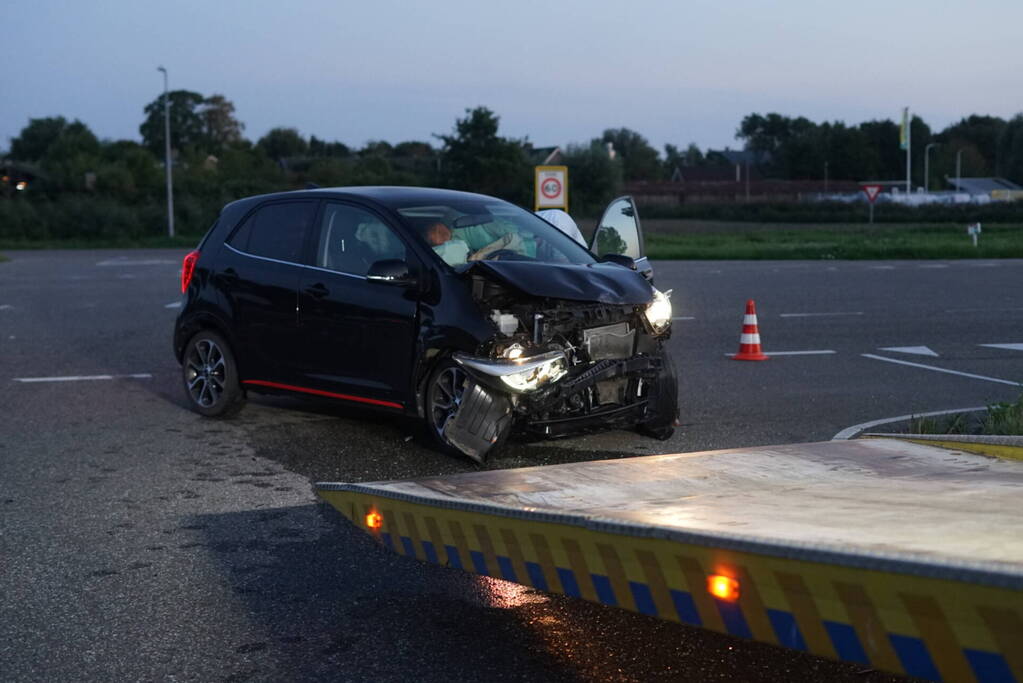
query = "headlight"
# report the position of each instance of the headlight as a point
(534, 377)
(658, 311)
(520, 374)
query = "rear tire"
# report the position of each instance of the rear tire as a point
(210, 376)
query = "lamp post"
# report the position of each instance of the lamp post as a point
(927, 165)
(167, 155)
(959, 167)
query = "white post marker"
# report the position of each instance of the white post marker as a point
(551, 188)
(973, 230)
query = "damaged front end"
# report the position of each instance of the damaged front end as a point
(557, 367)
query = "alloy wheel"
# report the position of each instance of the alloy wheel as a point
(205, 372)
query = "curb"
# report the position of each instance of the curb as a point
(1007, 447)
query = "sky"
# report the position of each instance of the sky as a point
(557, 72)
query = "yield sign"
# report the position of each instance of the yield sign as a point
(871, 191)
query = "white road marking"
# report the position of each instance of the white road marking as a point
(880, 267)
(82, 378)
(177, 304)
(1009, 347)
(915, 350)
(6, 307)
(850, 432)
(684, 317)
(817, 315)
(933, 265)
(137, 262)
(816, 352)
(945, 370)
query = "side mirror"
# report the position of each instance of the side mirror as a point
(620, 259)
(391, 271)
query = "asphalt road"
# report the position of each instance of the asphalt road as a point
(140, 541)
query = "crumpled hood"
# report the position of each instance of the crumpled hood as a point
(605, 283)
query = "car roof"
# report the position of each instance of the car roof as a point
(389, 196)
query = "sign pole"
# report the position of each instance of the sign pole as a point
(871, 213)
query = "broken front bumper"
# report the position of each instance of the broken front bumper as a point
(607, 393)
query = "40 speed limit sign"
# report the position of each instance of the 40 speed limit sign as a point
(551, 188)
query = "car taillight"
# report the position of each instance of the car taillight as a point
(187, 269)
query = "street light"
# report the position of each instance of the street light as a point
(167, 155)
(927, 165)
(959, 166)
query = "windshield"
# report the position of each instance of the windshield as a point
(463, 231)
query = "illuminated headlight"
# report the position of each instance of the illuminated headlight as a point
(658, 311)
(532, 378)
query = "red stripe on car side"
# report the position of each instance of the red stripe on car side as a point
(318, 392)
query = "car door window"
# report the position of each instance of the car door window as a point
(618, 231)
(276, 231)
(353, 239)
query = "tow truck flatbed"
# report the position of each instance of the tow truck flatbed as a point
(901, 556)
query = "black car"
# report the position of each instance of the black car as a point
(460, 309)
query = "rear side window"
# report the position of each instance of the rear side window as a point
(276, 231)
(352, 239)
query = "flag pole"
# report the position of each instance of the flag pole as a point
(908, 123)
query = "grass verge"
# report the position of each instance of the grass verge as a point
(1002, 419)
(849, 242)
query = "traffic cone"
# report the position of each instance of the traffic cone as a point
(749, 342)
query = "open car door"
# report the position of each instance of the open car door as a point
(619, 234)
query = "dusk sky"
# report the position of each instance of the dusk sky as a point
(557, 72)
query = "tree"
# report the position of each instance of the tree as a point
(283, 143)
(476, 158)
(186, 123)
(594, 177)
(220, 128)
(1011, 149)
(640, 161)
(322, 149)
(35, 138)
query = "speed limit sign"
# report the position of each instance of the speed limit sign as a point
(551, 188)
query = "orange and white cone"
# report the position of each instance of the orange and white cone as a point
(749, 342)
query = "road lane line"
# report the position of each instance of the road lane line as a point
(915, 350)
(6, 307)
(684, 317)
(816, 315)
(82, 378)
(173, 304)
(850, 432)
(945, 370)
(933, 265)
(137, 262)
(1007, 347)
(816, 352)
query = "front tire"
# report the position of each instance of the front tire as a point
(448, 388)
(210, 376)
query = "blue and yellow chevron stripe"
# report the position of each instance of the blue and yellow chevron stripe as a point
(934, 628)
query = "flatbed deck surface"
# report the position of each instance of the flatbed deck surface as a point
(881, 498)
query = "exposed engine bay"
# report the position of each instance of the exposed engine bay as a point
(556, 367)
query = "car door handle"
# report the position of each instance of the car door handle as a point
(317, 291)
(229, 275)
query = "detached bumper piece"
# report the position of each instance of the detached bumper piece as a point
(483, 418)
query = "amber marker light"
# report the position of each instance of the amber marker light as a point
(723, 587)
(374, 520)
